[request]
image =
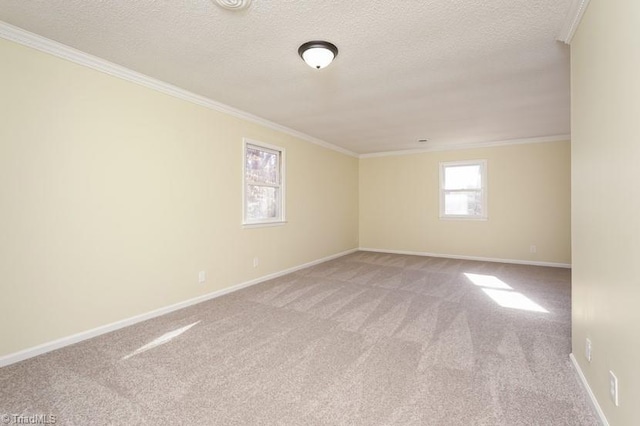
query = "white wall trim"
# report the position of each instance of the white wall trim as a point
(472, 145)
(43, 44)
(35, 41)
(583, 379)
(572, 20)
(88, 334)
(482, 259)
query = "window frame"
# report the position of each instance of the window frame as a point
(483, 190)
(281, 191)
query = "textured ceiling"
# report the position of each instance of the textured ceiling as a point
(452, 71)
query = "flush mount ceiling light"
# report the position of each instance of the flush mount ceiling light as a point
(318, 54)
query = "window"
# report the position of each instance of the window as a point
(463, 190)
(263, 201)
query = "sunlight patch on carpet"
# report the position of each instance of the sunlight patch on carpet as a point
(165, 338)
(490, 281)
(513, 299)
(502, 293)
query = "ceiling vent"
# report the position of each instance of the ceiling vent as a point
(233, 4)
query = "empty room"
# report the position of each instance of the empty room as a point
(252, 212)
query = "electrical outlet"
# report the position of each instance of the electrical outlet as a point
(533, 248)
(613, 387)
(587, 350)
(256, 262)
(202, 276)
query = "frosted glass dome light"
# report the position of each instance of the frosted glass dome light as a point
(318, 54)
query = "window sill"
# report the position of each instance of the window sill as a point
(263, 224)
(457, 218)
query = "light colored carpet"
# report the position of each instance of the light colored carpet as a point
(366, 339)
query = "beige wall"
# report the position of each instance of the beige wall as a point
(605, 63)
(114, 196)
(528, 204)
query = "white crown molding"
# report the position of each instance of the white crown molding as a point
(26, 38)
(477, 258)
(585, 383)
(572, 20)
(22, 355)
(473, 145)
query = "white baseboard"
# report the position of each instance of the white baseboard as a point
(482, 259)
(75, 338)
(583, 379)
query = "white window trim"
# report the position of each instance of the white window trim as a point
(485, 204)
(281, 220)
